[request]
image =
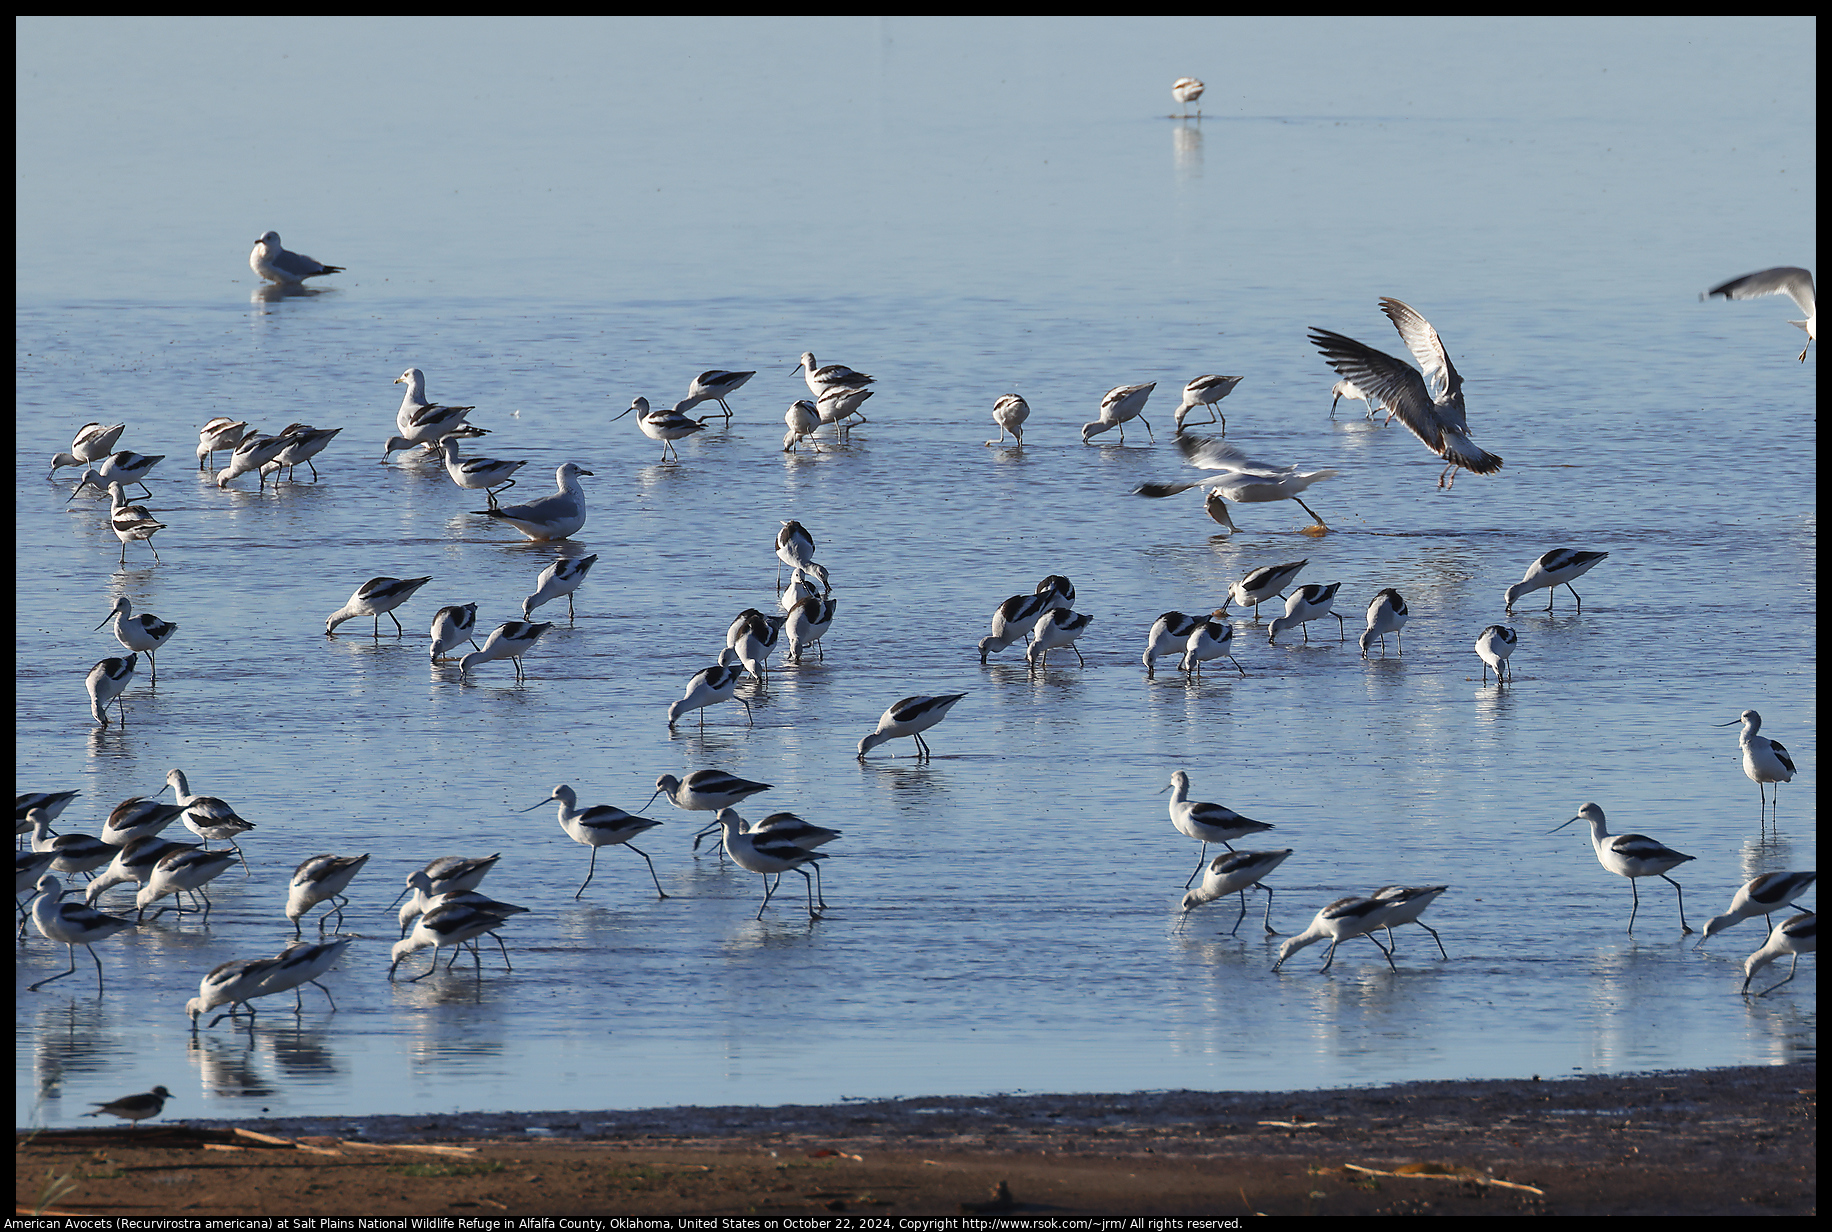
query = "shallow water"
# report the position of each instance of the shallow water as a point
(1003, 917)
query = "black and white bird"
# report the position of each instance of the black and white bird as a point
(910, 717)
(376, 597)
(1206, 391)
(140, 633)
(135, 1108)
(1263, 583)
(1238, 478)
(1556, 568)
(1121, 405)
(714, 385)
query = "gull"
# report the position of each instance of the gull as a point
(510, 640)
(1796, 936)
(838, 402)
(601, 825)
(1308, 603)
(1764, 760)
(1122, 403)
(1187, 90)
(142, 632)
(710, 685)
(1788, 280)
(1058, 627)
(665, 426)
(1009, 413)
(131, 523)
(133, 1108)
(322, 878)
(220, 433)
(1387, 613)
(374, 597)
(808, 622)
(253, 452)
(93, 442)
(1263, 583)
(451, 625)
(1207, 823)
(1342, 920)
(910, 717)
(1556, 568)
(1430, 404)
(417, 410)
(1631, 856)
(551, 517)
(1760, 896)
(275, 264)
(106, 682)
(1206, 391)
(803, 419)
(1236, 873)
(1238, 478)
(1494, 645)
(123, 467)
(714, 385)
(1346, 388)
(491, 474)
(562, 577)
(71, 925)
(303, 443)
(833, 375)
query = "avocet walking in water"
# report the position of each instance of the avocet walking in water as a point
(375, 597)
(1207, 823)
(1236, 873)
(768, 855)
(1760, 896)
(1210, 639)
(551, 517)
(1261, 584)
(1788, 280)
(1122, 404)
(601, 825)
(1187, 90)
(1206, 391)
(666, 426)
(833, 376)
(106, 682)
(93, 442)
(1342, 920)
(140, 633)
(562, 577)
(451, 625)
(1556, 568)
(1388, 613)
(1060, 627)
(509, 640)
(71, 925)
(1009, 413)
(910, 717)
(1308, 603)
(208, 817)
(131, 523)
(705, 790)
(715, 385)
(492, 475)
(1494, 646)
(321, 879)
(1796, 936)
(709, 686)
(1404, 905)
(1764, 760)
(1631, 856)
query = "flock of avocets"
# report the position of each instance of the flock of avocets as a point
(445, 910)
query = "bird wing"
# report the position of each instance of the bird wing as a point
(1396, 383)
(1789, 280)
(1213, 454)
(1426, 347)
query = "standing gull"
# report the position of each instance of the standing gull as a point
(551, 517)
(275, 264)
(1788, 280)
(416, 410)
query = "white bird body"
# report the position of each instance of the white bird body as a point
(139, 633)
(1210, 639)
(1233, 873)
(1305, 604)
(601, 825)
(1494, 646)
(753, 636)
(1009, 413)
(123, 467)
(1760, 896)
(1187, 90)
(233, 983)
(1206, 391)
(492, 475)
(72, 853)
(93, 442)
(253, 452)
(1169, 633)
(1206, 823)
(302, 443)
(709, 686)
(1121, 404)
(137, 817)
(1017, 616)
(270, 260)
(808, 623)
(562, 577)
(417, 411)
(1631, 856)
(832, 376)
(1788, 280)
(765, 854)
(1404, 905)
(510, 640)
(1346, 388)
(716, 385)
(71, 925)
(134, 863)
(1057, 627)
(1387, 613)
(1263, 583)
(551, 517)
(910, 717)
(1796, 936)
(1556, 568)
(666, 426)
(1238, 478)
(804, 419)
(322, 878)
(705, 790)
(453, 624)
(1340, 921)
(376, 597)
(449, 925)
(106, 682)
(220, 433)
(838, 403)
(1764, 760)
(181, 871)
(206, 816)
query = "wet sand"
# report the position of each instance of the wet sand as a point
(1715, 1142)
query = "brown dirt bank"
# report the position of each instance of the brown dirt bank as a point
(1715, 1142)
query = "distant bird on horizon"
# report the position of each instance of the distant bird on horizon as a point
(1187, 90)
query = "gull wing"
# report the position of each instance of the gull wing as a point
(1213, 454)
(1396, 383)
(1788, 280)
(1440, 374)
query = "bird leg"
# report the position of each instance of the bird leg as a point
(652, 877)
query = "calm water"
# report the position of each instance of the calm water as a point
(576, 214)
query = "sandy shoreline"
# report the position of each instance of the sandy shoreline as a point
(1689, 1142)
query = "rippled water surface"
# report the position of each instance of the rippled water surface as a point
(583, 213)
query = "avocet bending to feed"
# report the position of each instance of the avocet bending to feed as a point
(1404, 905)
(715, 385)
(1060, 627)
(1556, 568)
(1760, 896)
(766, 855)
(375, 597)
(705, 790)
(562, 577)
(1388, 613)
(1796, 936)
(1206, 391)
(106, 682)
(509, 640)
(1429, 403)
(1009, 413)
(95, 441)
(1308, 603)
(709, 686)
(1262, 584)
(1494, 646)
(1122, 404)
(910, 717)
(1235, 873)
(1210, 639)
(1788, 280)
(1187, 90)
(1169, 633)
(321, 879)
(220, 433)
(451, 625)
(1342, 920)
(1631, 856)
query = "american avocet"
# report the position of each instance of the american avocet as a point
(72, 853)
(252, 453)
(1207, 823)
(301, 963)
(137, 817)
(562, 577)
(1014, 618)
(1210, 639)
(1342, 920)
(551, 517)
(801, 586)
(321, 879)
(1796, 936)
(1556, 568)
(274, 263)
(1631, 856)
(1305, 604)
(491, 475)
(71, 925)
(1404, 905)
(714, 385)
(666, 426)
(509, 640)
(1238, 478)
(432, 425)
(709, 686)
(1760, 896)
(207, 816)
(705, 790)
(1494, 646)
(781, 828)
(375, 597)
(179, 872)
(803, 418)
(417, 411)
(765, 855)
(1788, 280)
(753, 637)
(601, 825)
(93, 442)
(451, 625)
(1121, 404)
(419, 902)
(1169, 633)
(28, 868)
(910, 717)
(1187, 90)
(1059, 586)
(139, 633)
(1058, 627)
(133, 1108)
(1346, 388)
(1235, 873)
(125, 467)
(236, 982)
(1263, 583)
(1206, 391)
(131, 523)
(839, 403)
(808, 622)
(106, 682)
(1764, 760)
(448, 875)
(303, 443)
(1429, 403)
(794, 548)
(1009, 413)
(832, 376)
(53, 803)
(220, 433)
(1387, 613)
(450, 925)
(134, 863)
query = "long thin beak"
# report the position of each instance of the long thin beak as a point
(1732, 722)
(1162, 790)
(658, 791)
(532, 807)
(1556, 829)
(111, 617)
(401, 895)
(626, 411)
